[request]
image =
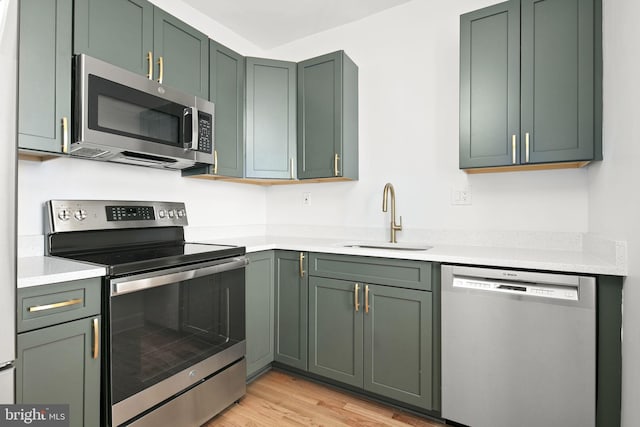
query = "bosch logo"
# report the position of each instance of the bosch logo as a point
(161, 90)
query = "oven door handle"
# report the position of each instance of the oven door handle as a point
(128, 284)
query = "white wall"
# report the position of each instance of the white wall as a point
(614, 204)
(408, 81)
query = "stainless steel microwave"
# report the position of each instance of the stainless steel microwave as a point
(124, 117)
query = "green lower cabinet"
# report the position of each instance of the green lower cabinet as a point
(259, 311)
(336, 330)
(59, 365)
(291, 316)
(398, 344)
(375, 337)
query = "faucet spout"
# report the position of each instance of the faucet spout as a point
(389, 190)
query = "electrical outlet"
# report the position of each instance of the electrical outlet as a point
(461, 196)
(306, 199)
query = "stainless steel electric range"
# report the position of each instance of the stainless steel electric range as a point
(174, 311)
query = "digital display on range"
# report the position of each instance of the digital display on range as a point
(130, 213)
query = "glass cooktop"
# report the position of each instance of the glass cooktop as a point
(128, 260)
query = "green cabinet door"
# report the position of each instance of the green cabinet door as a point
(291, 319)
(44, 75)
(183, 52)
(398, 344)
(116, 31)
(328, 117)
(56, 365)
(557, 80)
(336, 330)
(259, 279)
(271, 119)
(226, 91)
(490, 86)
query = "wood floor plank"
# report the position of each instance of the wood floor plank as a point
(280, 399)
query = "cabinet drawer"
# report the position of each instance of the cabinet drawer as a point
(47, 305)
(384, 271)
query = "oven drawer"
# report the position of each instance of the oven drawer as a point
(46, 305)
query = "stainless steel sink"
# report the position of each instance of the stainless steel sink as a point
(387, 246)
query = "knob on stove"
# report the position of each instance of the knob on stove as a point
(64, 214)
(80, 214)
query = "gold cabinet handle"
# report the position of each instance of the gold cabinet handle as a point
(161, 69)
(65, 135)
(513, 149)
(526, 147)
(336, 158)
(366, 298)
(292, 166)
(355, 293)
(215, 162)
(150, 65)
(96, 338)
(302, 264)
(54, 305)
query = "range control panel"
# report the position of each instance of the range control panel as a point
(83, 215)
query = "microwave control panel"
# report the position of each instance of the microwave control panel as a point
(205, 132)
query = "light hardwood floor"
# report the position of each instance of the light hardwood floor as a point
(280, 399)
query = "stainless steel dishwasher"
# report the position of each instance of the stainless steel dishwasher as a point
(518, 348)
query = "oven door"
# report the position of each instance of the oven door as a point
(171, 330)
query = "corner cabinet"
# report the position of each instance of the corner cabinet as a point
(328, 117)
(530, 84)
(142, 38)
(259, 278)
(291, 320)
(270, 119)
(58, 348)
(44, 74)
(373, 325)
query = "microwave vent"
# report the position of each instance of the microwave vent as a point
(89, 152)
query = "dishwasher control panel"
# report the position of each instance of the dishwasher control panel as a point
(569, 293)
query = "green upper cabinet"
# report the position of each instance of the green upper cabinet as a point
(140, 37)
(117, 31)
(529, 83)
(271, 119)
(328, 117)
(44, 86)
(226, 91)
(182, 53)
(292, 293)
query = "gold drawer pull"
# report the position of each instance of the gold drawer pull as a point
(302, 264)
(54, 305)
(356, 302)
(96, 338)
(366, 299)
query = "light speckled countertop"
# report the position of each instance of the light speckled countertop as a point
(42, 270)
(530, 259)
(39, 270)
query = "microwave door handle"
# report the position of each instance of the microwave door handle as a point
(193, 112)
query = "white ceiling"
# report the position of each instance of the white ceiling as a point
(271, 23)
